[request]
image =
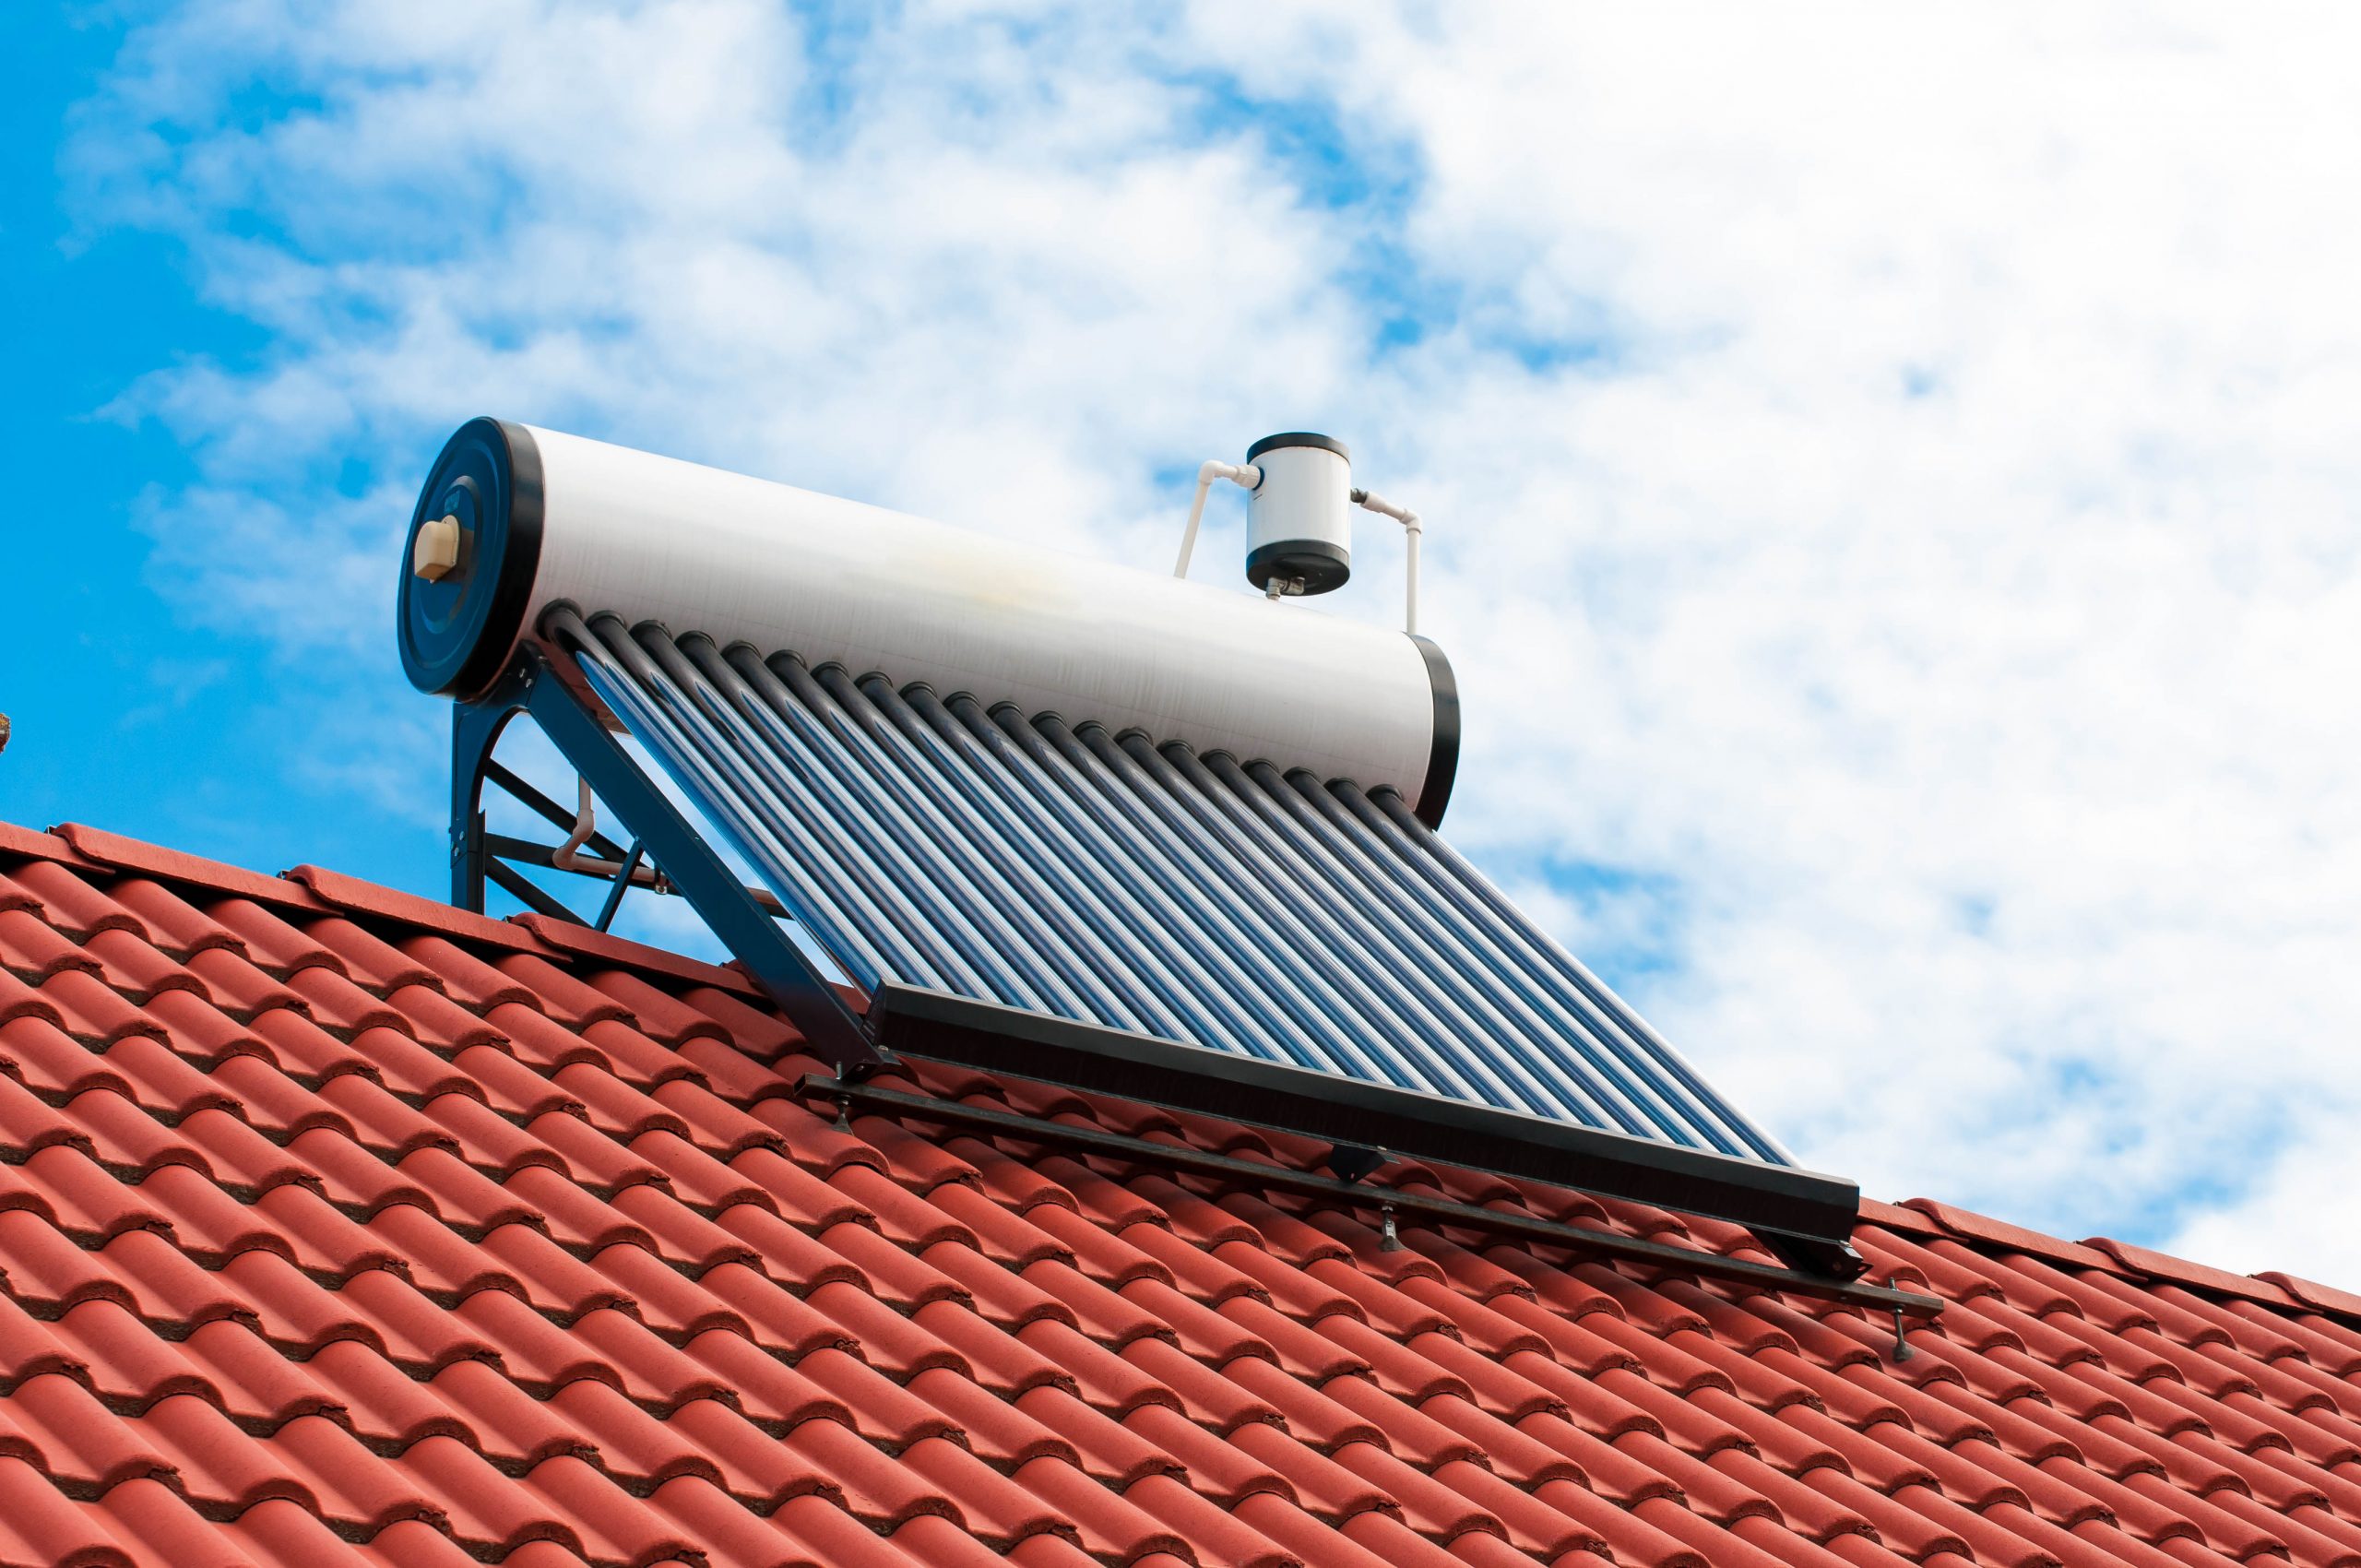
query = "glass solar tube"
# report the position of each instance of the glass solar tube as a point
(1134, 934)
(1274, 963)
(869, 749)
(1443, 948)
(1066, 870)
(1499, 952)
(931, 892)
(1585, 1040)
(1444, 959)
(1403, 1026)
(958, 957)
(1498, 1027)
(1470, 1035)
(1225, 1006)
(1422, 846)
(1520, 950)
(1229, 959)
(1346, 1025)
(1484, 1033)
(753, 836)
(1282, 1021)
(1025, 852)
(817, 848)
(1351, 1032)
(921, 950)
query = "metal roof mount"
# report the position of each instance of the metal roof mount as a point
(1802, 1217)
(1386, 1202)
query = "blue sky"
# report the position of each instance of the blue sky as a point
(121, 713)
(1899, 556)
(128, 710)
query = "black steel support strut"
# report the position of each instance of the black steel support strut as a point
(735, 913)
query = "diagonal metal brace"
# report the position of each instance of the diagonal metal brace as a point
(831, 1029)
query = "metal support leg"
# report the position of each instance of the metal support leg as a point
(475, 730)
(832, 1029)
(623, 884)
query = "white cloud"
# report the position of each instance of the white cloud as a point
(1891, 475)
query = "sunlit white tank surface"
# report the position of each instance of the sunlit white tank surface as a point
(515, 519)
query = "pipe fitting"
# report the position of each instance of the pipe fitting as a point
(1411, 530)
(1246, 476)
(434, 554)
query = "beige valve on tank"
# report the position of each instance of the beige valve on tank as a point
(436, 553)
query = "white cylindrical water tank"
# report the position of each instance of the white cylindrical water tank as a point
(513, 520)
(1300, 516)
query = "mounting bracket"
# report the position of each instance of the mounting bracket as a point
(740, 916)
(1805, 1219)
(1394, 1206)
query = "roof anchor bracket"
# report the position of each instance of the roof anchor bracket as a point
(1824, 1255)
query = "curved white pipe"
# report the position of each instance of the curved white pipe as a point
(1245, 475)
(567, 856)
(1411, 528)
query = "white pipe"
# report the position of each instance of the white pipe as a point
(1411, 528)
(565, 857)
(1245, 475)
(1410, 575)
(568, 856)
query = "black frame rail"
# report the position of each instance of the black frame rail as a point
(1802, 1217)
(1385, 1202)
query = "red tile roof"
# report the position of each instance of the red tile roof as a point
(339, 1226)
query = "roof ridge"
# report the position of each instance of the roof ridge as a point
(320, 890)
(2125, 1260)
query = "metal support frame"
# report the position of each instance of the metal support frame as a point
(1804, 1218)
(740, 916)
(1392, 1206)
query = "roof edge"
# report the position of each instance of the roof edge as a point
(606, 948)
(1893, 1216)
(357, 895)
(318, 890)
(1966, 1225)
(2146, 1263)
(28, 843)
(2311, 1293)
